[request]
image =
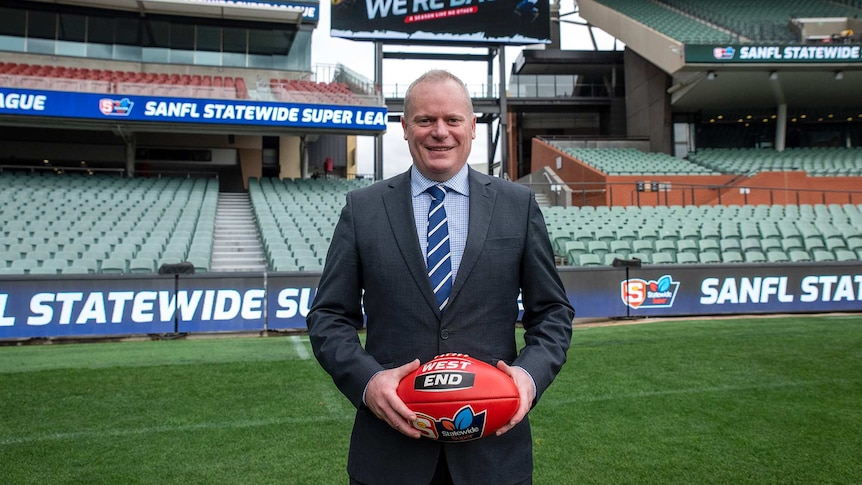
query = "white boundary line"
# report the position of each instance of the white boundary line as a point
(299, 343)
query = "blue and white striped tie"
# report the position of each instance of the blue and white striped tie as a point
(439, 257)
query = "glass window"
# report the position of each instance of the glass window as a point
(207, 58)
(268, 42)
(100, 30)
(73, 28)
(545, 86)
(183, 37)
(179, 56)
(100, 51)
(208, 38)
(127, 52)
(73, 49)
(12, 22)
(234, 46)
(127, 32)
(41, 25)
(234, 40)
(156, 33)
(565, 85)
(155, 54)
(300, 53)
(208, 46)
(528, 85)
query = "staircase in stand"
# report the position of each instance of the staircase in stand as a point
(236, 241)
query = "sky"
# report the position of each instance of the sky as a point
(397, 75)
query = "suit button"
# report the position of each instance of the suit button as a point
(444, 334)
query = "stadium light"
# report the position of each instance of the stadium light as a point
(839, 75)
(711, 75)
(773, 75)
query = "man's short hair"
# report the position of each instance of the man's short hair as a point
(435, 75)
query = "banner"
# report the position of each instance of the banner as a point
(516, 22)
(80, 306)
(220, 303)
(773, 54)
(107, 305)
(119, 108)
(310, 10)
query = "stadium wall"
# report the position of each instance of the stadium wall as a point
(81, 306)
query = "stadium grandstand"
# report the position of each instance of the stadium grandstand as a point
(133, 114)
(741, 140)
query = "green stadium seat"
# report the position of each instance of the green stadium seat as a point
(662, 258)
(709, 257)
(686, 258)
(644, 246)
(620, 247)
(74, 270)
(113, 265)
(791, 244)
(24, 264)
(589, 259)
(755, 256)
(599, 248)
(798, 256)
(142, 265)
(732, 256)
(665, 246)
(845, 255)
(645, 258)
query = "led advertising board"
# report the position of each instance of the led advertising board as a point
(119, 108)
(515, 22)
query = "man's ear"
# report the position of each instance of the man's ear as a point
(404, 126)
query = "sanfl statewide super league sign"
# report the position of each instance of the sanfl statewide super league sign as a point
(773, 54)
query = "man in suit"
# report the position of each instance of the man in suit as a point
(497, 247)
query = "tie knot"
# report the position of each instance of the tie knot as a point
(438, 192)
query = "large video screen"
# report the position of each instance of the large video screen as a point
(515, 22)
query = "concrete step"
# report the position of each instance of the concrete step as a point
(236, 241)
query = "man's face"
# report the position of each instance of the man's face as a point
(439, 129)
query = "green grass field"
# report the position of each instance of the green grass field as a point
(770, 400)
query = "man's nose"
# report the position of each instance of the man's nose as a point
(441, 129)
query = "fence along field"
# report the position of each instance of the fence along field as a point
(767, 400)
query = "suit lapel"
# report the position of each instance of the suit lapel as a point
(398, 203)
(482, 198)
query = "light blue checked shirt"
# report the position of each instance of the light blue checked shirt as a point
(457, 203)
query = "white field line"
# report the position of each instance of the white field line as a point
(299, 345)
(120, 433)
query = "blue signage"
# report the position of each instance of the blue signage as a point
(114, 107)
(310, 11)
(68, 306)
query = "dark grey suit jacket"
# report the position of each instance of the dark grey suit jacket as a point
(375, 259)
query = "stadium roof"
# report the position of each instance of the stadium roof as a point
(714, 75)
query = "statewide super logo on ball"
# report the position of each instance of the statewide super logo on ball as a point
(459, 398)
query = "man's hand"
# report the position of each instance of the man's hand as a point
(524, 383)
(381, 397)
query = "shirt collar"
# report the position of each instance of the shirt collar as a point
(458, 183)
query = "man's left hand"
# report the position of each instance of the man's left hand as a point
(524, 383)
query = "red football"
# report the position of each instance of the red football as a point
(458, 398)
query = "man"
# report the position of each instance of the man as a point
(497, 246)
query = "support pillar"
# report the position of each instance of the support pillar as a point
(781, 128)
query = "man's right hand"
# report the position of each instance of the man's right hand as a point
(381, 397)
